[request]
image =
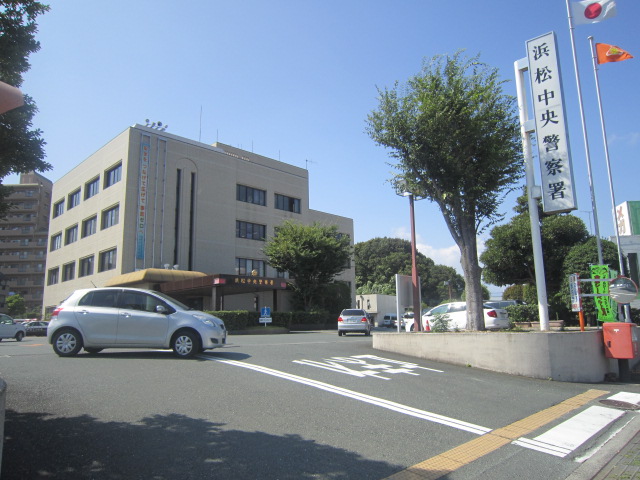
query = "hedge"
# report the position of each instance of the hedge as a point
(242, 319)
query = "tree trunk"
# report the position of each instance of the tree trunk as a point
(472, 276)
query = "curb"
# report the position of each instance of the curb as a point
(614, 455)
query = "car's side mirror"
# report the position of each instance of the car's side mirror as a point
(161, 309)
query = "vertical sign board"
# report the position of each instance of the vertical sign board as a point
(145, 148)
(558, 193)
(604, 310)
(574, 291)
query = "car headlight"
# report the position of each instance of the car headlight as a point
(206, 320)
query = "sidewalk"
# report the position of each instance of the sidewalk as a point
(625, 465)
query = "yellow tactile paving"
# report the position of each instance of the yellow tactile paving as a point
(466, 453)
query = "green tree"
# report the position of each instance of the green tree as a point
(15, 305)
(456, 138)
(312, 254)
(21, 147)
(508, 254)
(378, 260)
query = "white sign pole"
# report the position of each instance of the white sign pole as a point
(526, 127)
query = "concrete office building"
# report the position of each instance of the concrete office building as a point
(23, 241)
(151, 208)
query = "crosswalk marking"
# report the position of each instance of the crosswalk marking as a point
(564, 438)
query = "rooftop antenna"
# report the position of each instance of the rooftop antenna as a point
(200, 133)
(307, 162)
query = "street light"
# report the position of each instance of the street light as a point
(417, 310)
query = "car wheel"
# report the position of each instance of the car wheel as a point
(67, 343)
(339, 333)
(92, 351)
(19, 336)
(186, 344)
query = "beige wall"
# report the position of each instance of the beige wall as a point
(213, 246)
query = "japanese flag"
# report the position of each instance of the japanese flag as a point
(592, 11)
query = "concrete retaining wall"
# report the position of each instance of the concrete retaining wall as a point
(560, 356)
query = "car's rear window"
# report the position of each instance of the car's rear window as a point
(353, 312)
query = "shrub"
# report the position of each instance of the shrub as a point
(440, 322)
(237, 319)
(523, 313)
(242, 319)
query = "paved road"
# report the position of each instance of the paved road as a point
(298, 406)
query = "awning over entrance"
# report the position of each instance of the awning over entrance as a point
(151, 276)
(220, 285)
(231, 284)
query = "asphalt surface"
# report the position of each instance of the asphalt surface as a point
(309, 405)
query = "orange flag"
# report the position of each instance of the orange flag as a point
(611, 53)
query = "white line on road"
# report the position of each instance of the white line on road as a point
(569, 435)
(397, 407)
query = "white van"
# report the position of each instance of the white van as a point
(389, 320)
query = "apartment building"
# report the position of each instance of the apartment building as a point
(23, 241)
(149, 201)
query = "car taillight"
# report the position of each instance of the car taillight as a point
(56, 312)
(364, 319)
(492, 313)
(340, 319)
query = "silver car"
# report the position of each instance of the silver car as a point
(100, 318)
(9, 328)
(353, 320)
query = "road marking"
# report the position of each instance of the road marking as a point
(562, 439)
(626, 397)
(397, 407)
(464, 454)
(336, 364)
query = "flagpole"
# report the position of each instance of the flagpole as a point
(594, 57)
(586, 139)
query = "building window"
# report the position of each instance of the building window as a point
(251, 195)
(86, 266)
(253, 231)
(58, 208)
(91, 188)
(73, 199)
(113, 175)
(107, 260)
(68, 272)
(110, 217)
(89, 226)
(246, 266)
(54, 276)
(288, 204)
(56, 242)
(71, 235)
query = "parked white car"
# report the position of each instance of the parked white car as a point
(9, 328)
(494, 318)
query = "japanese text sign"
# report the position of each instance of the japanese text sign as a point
(558, 193)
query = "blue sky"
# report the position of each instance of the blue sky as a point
(294, 80)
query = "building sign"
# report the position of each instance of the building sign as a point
(267, 282)
(628, 217)
(551, 130)
(142, 200)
